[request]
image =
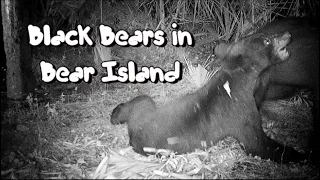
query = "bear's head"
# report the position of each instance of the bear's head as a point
(118, 116)
(132, 110)
(257, 51)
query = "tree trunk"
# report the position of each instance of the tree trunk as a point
(162, 14)
(20, 78)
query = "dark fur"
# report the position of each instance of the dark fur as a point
(132, 110)
(210, 114)
(301, 69)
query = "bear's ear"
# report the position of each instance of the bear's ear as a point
(221, 50)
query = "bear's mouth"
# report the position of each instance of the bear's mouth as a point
(283, 53)
(280, 45)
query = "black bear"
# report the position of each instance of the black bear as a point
(132, 110)
(225, 106)
(302, 68)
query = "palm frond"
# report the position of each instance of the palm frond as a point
(199, 75)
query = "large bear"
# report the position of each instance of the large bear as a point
(225, 106)
(302, 67)
(300, 70)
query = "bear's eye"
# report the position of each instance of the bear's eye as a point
(267, 41)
